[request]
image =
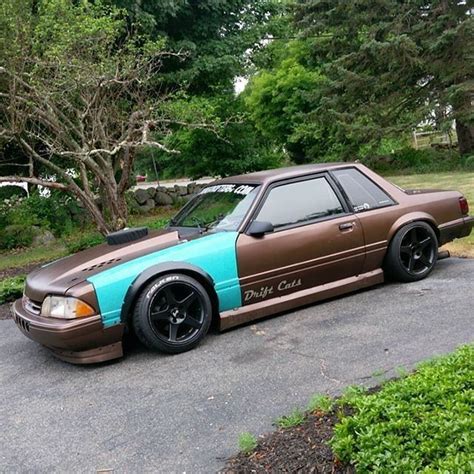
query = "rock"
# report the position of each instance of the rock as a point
(151, 192)
(182, 191)
(163, 199)
(43, 237)
(141, 196)
(191, 188)
(147, 207)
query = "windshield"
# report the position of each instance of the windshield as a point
(217, 207)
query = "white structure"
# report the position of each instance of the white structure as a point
(16, 183)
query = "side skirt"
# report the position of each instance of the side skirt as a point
(244, 314)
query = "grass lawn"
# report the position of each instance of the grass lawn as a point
(23, 257)
(459, 181)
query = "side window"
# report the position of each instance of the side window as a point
(361, 191)
(300, 202)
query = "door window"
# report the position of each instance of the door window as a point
(361, 191)
(300, 202)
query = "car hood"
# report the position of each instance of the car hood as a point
(59, 276)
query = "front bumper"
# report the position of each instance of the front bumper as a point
(456, 229)
(79, 341)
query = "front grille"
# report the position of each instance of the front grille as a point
(25, 325)
(31, 306)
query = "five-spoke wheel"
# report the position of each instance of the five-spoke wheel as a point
(412, 253)
(172, 314)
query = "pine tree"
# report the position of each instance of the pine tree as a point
(394, 63)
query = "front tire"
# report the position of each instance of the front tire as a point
(412, 253)
(172, 314)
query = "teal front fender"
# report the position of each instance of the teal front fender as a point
(215, 254)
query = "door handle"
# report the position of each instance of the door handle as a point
(346, 226)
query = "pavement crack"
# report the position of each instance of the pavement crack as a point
(323, 370)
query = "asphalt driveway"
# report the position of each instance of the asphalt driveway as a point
(150, 412)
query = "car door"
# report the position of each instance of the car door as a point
(316, 240)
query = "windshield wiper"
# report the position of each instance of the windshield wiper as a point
(199, 223)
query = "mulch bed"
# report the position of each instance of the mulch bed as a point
(16, 271)
(5, 311)
(302, 449)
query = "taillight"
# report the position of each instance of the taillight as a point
(464, 206)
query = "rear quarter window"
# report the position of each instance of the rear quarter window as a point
(363, 193)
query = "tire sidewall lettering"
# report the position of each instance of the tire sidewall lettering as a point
(159, 284)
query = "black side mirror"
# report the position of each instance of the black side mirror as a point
(259, 229)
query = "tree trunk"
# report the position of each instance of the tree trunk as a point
(465, 132)
(95, 213)
(120, 220)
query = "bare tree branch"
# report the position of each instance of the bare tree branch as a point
(37, 181)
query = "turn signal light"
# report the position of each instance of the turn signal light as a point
(464, 206)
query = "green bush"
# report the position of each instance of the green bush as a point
(16, 235)
(468, 163)
(410, 160)
(53, 212)
(7, 192)
(11, 288)
(421, 423)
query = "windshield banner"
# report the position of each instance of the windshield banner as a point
(242, 189)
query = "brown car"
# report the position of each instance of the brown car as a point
(245, 247)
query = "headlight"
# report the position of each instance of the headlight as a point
(65, 307)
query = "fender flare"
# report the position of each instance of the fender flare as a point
(409, 218)
(154, 271)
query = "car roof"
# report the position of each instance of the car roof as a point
(277, 174)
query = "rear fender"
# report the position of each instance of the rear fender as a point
(412, 217)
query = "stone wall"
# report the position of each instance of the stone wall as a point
(146, 199)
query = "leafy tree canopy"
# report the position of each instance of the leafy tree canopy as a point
(393, 64)
(215, 34)
(232, 148)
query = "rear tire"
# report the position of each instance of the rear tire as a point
(412, 253)
(172, 314)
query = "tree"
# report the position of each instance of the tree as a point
(220, 38)
(237, 148)
(217, 35)
(392, 64)
(281, 97)
(79, 95)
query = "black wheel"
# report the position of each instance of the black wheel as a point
(172, 314)
(413, 252)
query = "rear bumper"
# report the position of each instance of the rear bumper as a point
(80, 341)
(456, 229)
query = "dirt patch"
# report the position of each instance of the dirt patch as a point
(302, 448)
(16, 271)
(5, 312)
